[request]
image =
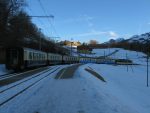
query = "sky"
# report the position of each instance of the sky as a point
(85, 20)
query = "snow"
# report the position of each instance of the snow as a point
(136, 57)
(3, 70)
(127, 86)
(100, 52)
(124, 92)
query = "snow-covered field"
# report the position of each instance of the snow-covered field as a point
(136, 57)
(124, 92)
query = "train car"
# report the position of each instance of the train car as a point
(85, 60)
(123, 62)
(93, 60)
(54, 59)
(70, 59)
(18, 58)
(100, 61)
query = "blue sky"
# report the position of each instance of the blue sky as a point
(83, 20)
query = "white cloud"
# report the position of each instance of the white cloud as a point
(113, 34)
(110, 34)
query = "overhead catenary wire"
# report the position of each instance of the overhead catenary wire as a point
(41, 22)
(49, 20)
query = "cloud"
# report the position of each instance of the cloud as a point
(110, 34)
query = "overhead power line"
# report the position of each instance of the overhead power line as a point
(51, 16)
(42, 7)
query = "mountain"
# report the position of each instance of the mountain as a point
(143, 38)
(111, 41)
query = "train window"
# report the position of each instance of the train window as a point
(34, 56)
(43, 57)
(39, 56)
(30, 55)
(25, 55)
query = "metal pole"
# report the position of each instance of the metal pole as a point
(71, 45)
(71, 48)
(147, 70)
(40, 40)
(147, 63)
(40, 43)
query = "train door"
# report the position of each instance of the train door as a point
(14, 57)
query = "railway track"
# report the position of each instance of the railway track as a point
(46, 72)
(9, 75)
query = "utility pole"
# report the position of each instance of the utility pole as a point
(147, 63)
(40, 40)
(71, 45)
(127, 59)
(147, 69)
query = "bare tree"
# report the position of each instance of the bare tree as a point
(93, 42)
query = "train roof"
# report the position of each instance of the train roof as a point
(33, 50)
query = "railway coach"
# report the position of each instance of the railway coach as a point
(54, 59)
(18, 58)
(87, 60)
(69, 59)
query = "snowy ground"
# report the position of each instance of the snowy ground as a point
(124, 92)
(136, 57)
(3, 70)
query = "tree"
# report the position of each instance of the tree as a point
(8, 8)
(93, 42)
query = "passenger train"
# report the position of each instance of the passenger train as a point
(21, 58)
(18, 58)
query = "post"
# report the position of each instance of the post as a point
(71, 49)
(147, 69)
(147, 63)
(126, 59)
(40, 44)
(40, 40)
(71, 46)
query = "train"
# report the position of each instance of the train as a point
(20, 58)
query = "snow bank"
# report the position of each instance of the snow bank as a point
(3, 70)
(129, 87)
